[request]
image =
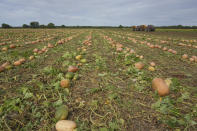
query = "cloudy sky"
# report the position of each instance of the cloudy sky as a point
(99, 12)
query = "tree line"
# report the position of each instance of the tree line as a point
(35, 24)
(177, 27)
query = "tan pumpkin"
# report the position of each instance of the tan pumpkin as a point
(152, 63)
(65, 125)
(4, 49)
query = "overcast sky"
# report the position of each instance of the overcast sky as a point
(99, 12)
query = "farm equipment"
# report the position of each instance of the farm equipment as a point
(148, 28)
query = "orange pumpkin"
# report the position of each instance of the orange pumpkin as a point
(185, 56)
(17, 63)
(12, 46)
(160, 86)
(139, 65)
(72, 69)
(65, 83)
(2, 68)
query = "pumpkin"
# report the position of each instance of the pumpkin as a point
(141, 57)
(79, 64)
(65, 83)
(152, 63)
(152, 46)
(119, 45)
(164, 49)
(65, 125)
(17, 63)
(132, 51)
(118, 49)
(156, 46)
(84, 49)
(174, 52)
(12, 46)
(76, 77)
(72, 69)
(61, 112)
(4, 49)
(69, 75)
(50, 45)
(78, 49)
(40, 52)
(2, 68)
(160, 86)
(196, 60)
(170, 50)
(31, 57)
(194, 57)
(35, 50)
(185, 56)
(22, 60)
(78, 57)
(191, 59)
(83, 60)
(139, 65)
(5, 64)
(150, 68)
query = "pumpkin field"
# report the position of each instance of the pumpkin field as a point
(98, 79)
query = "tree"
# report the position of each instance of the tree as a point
(194, 27)
(34, 24)
(63, 26)
(51, 25)
(179, 26)
(25, 26)
(42, 26)
(5, 26)
(120, 26)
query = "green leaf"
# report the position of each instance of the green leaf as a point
(28, 95)
(67, 55)
(112, 96)
(38, 115)
(57, 85)
(103, 129)
(113, 125)
(181, 122)
(122, 121)
(101, 75)
(186, 95)
(60, 76)
(192, 123)
(58, 103)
